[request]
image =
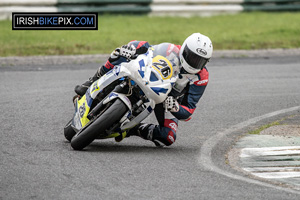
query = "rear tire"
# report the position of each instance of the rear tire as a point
(69, 131)
(88, 134)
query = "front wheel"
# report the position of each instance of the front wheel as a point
(89, 133)
(69, 131)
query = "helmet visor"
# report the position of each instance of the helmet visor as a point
(194, 60)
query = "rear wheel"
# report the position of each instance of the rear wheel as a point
(89, 133)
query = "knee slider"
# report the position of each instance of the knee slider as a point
(171, 137)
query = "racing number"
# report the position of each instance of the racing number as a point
(163, 66)
(95, 87)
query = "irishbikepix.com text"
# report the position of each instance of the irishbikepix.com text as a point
(54, 21)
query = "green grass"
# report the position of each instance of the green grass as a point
(241, 31)
(275, 123)
(260, 129)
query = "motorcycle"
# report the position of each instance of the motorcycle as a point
(123, 97)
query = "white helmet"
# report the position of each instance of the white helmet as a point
(195, 52)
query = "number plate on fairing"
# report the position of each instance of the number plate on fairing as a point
(163, 67)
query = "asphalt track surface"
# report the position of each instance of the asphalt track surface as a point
(38, 163)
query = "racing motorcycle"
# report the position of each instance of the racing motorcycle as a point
(123, 97)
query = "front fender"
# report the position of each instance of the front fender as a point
(123, 97)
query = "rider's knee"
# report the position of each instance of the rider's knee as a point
(171, 137)
(167, 136)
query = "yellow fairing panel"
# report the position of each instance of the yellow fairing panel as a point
(83, 110)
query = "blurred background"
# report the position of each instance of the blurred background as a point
(231, 24)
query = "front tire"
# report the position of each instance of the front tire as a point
(69, 131)
(88, 134)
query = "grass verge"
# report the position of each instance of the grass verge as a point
(241, 31)
(275, 123)
(260, 129)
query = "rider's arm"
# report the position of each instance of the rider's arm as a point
(141, 47)
(192, 97)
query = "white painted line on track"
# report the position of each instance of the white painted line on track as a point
(267, 154)
(271, 169)
(205, 158)
(270, 151)
(276, 175)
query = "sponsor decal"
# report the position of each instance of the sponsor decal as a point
(82, 110)
(171, 138)
(108, 65)
(170, 49)
(171, 124)
(95, 87)
(173, 48)
(201, 51)
(201, 82)
(54, 21)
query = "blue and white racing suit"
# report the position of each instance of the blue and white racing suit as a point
(188, 90)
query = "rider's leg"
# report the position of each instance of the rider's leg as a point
(81, 89)
(165, 132)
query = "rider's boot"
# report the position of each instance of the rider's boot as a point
(144, 131)
(81, 89)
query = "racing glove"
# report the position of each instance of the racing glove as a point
(114, 55)
(171, 104)
(127, 51)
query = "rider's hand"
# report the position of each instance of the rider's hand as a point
(171, 104)
(114, 55)
(127, 51)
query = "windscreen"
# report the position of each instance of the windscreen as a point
(169, 51)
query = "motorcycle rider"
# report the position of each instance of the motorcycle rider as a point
(192, 80)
